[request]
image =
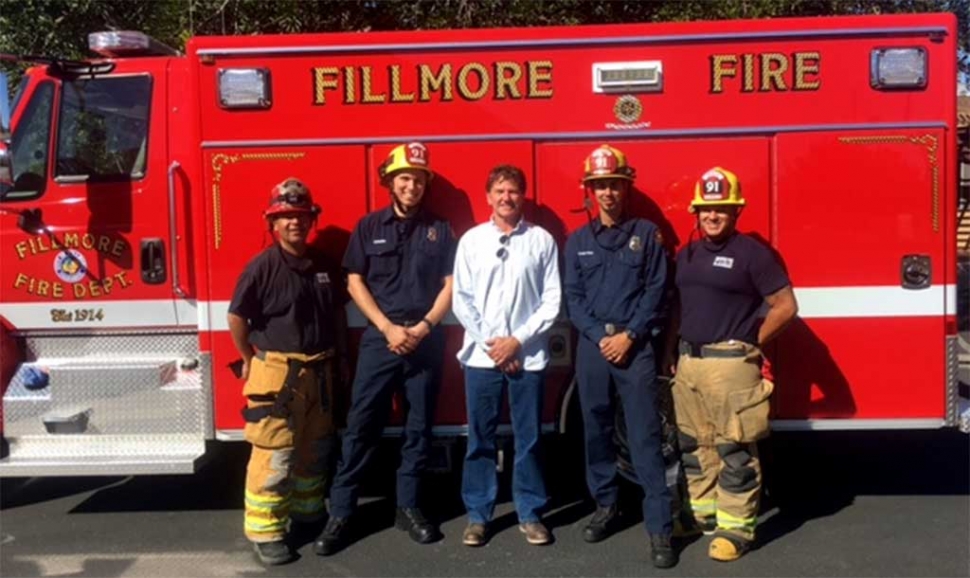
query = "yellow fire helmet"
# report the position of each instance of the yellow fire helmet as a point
(717, 187)
(607, 162)
(412, 155)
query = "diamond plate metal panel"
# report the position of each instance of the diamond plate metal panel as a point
(111, 346)
(114, 403)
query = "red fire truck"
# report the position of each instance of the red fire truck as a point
(136, 182)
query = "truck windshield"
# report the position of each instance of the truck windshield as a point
(29, 145)
(103, 131)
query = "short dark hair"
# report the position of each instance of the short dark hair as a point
(506, 173)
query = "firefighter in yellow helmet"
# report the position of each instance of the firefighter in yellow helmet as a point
(399, 266)
(721, 399)
(615, 283)
(286, 321)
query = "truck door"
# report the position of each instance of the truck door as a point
(863, 228)
(108, 382)
(85, 229)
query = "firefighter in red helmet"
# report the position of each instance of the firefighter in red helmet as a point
(721, 399)
(615, 278)
(285, 318)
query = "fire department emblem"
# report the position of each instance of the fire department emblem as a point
(636, 243)
(628, 109)
(432, 234)
(70, 266)
(417, 154)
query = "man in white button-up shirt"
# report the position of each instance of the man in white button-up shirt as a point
(507, 295)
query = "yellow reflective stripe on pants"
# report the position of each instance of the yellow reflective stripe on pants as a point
(265, 503)
(703, 508)
(307, 485)
(727, 521)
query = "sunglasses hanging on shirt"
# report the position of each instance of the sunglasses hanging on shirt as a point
(503, 251)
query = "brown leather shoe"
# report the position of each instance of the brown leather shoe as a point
(475, 535)
(535, 533)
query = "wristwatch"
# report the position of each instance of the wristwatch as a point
(631, 334)
(427, 322)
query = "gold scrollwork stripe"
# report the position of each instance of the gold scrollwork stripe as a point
(220, 161)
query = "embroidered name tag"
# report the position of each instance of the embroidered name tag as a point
(724, 262)
(323, 278)
(585, 253)
(380, 241)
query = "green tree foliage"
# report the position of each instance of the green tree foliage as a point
(60, 27)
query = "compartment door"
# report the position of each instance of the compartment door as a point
(861, 226)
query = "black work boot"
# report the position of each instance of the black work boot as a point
(602, 525)
(417, 526)
(333, 538)
(273, 553)
(662, 553)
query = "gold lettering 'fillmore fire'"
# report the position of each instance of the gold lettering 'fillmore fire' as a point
(397, 83)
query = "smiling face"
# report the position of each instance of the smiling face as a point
(717, 221)
(293, 228)
(408, 187)
(506, 199)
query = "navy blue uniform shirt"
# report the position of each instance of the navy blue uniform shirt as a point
(289, 301)
(615, 275)
(722, 287)
(402, 261)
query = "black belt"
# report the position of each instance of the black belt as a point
(403, 322)
(705, 350)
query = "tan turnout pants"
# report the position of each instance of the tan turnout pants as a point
(721, 405)
(290, 460)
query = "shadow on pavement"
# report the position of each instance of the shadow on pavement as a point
(810, 475)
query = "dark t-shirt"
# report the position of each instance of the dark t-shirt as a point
(403, 261)
(722, 287)
(290, 302)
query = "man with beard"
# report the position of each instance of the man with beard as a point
(616, 270)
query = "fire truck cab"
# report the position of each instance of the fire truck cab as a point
(135, 182)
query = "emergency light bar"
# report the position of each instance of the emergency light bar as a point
(120, 43)
(644, 76)
(898, 68)
(244, 88)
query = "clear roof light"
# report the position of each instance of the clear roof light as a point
(119, 43)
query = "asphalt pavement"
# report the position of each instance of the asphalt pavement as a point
(892, 503)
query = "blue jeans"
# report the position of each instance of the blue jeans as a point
(479, 483)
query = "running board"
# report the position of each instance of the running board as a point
(110, 456)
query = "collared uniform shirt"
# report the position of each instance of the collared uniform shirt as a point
(722, 288)
(289, 301)
(516, 295)
(403, 261)
(615, 275)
